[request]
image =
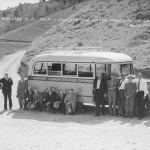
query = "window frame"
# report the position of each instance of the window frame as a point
(33, 69)
(46, 75)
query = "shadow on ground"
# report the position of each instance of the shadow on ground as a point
(85, 118)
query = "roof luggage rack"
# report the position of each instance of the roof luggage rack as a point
(67, 50)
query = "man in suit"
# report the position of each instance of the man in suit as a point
(21, 89)
(129, 91)
(71, 100)
(50, 99)
(100, 90)
(121, 96)
(7, 90)
(38, 100)
(141, 95)
(112, 85)
(61, 98)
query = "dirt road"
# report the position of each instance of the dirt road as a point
(31, 130)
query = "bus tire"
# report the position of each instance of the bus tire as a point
(147, 107)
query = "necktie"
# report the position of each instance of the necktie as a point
(120, 83)
(139, 85)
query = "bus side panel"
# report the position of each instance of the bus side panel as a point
(83, 90)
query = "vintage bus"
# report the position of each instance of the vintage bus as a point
(76, 70)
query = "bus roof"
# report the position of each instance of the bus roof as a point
(82, 57)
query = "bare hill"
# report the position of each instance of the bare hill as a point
(119, 26)
(39, 26)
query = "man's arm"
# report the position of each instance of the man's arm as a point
(125, 90)
(11, 81)
(66, 99)
(40, 97)
(18, 87)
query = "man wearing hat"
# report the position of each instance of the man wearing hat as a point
(7, 83)
(112, 85)
(71, 100)
(21, 89)
(129, 91)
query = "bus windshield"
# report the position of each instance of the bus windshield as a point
(126, 68)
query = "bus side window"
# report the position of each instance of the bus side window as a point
(40, 68)
(86, 70)
(54, 69)
(70, 69)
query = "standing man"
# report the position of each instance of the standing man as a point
(21, 89)
(121, 96)
(100, 89)
(112, 85)
(141, 94)
(7, 90)
(129, 91)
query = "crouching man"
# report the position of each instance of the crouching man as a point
(38, 100)
(70, 101)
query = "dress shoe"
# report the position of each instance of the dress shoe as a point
(4, 109)
(139, 118)
(10, 108)
(96, 115)
(130, 117)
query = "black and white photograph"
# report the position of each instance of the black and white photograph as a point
(74, 75)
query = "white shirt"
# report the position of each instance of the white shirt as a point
(123, 84)
(98, 83)
(142, 86)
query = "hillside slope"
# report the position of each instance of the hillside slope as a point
(122, 26)
(38, 27)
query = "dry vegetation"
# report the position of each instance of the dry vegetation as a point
(131, 37)
(35, 29)
(7, 48)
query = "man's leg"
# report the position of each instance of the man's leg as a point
(10, 100)
(102, 99)
(119, 104)
(63, 108)
(97, 103)
(139, 102)
(73, 105)
(126, 107)
(41, 105)
(142, 105)
(114, 102)
(131, 101)
(5, 100)
(110, 103)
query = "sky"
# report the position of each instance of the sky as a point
(4, 4)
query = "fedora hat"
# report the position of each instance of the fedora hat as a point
(56, 104)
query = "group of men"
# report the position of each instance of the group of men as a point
(27, 97)
(123, 93)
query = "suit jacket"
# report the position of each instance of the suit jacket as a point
(103, 86)
(29, 95)
(37, 97)
(69, 98)
(5, 88)
(130, 89)
(22, 86)
(111, 84)
(50, 98)
(59, 98)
